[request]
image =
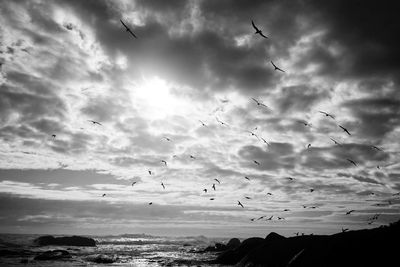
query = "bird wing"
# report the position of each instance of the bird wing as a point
(273, 64)
(255, 100)
(323, 112)
(132, 33)
(123, 24)
(280, 69)
(254, 26)
(263, 35)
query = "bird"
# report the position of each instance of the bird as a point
(281, 218)
(286, 210)
(290, 178)
(313, 207)
(95, 122)
(150, 203)
(344, 129)
(265, 141)
(275, 67)
(270, 194)
(163, 161)
(192, 157)
(309, 145)
(345, 229)
(377, 148)
(53, 135)
(349, 212)
(253, 134)
(352, 162)
(205, 190)
(259, 103)
(134, 183)
(217, 181)
(212, 198)
(103, 195)
(240, 204)
(312, 190)
(127, 29)
(162, 184)
(270, 218)
(247, 178)
(222, 123)
(256, 162)
(304, 123)
(396, 194)
(261, 217)
(168, 139)
(252, 219)
(150, 172)
(258, 31)
(336, 143)
(202, 123)
(213, 187)
(304, 206)
(327, 114)
(297, 234)
(247, 197)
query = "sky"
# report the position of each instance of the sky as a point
(66, 63)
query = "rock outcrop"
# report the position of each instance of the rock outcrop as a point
(49, 240)
(52, 255)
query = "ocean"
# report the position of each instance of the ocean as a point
(125, 250)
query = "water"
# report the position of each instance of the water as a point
(128, 250)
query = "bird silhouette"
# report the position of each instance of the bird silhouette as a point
(265, 141)
(256, 162)
(168, 139)
(336, 143)
(192, 157)
(259, 103)
(134, 183)
(377, 148)
(270, 218)
(349, 212)
(150, 172)
(252, 219)
(217, 181)
(304, 206)
(344, 129)
(103, 195)
(290, 178)
(258, 31)
(150, 203)
(253, 134)
(127, 29)
(327, 114)
(286, 210)
(53, 135)
(312, 190)
(261, 218)
(281, 218)
(205, 190)
(221, 122)
(270, 194)
(202, 123)
(95, 122)
(213, 187)
(247, 178)
(345, 229)
(276, 68)
(352, 162)
(212, 198)
(162, 184)
(240, 204)
(304, 123)
(308, 146)
(163, 161)
(247, 197)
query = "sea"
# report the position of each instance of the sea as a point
(125, 250)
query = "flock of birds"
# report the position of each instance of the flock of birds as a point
(253, 134)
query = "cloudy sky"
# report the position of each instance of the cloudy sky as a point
(64, 63)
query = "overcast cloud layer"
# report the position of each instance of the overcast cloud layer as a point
(63, 63)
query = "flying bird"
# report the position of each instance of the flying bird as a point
(265, 141)
(281, 218)
(213, 187)
(222, 123)
(127, 29)
(304, 123)
(256, 162)
(252, 219)
(192, 157)
(205, 190)
(270, 218)
(352, 162)
(276, 68)
(212, 198)
(162, 184)
(163, 161)
(134, 183)
(349, 212)
(286, 210)
(309, 145)
(53, 135)
(95, 122)
(258, 31)
(150, 203)
(166, 138)
(377, 148)
(247, 197)
(270, 194)
(336, 143)
(217, 181)
(290, 178)
(103, 195)
(327, 114)
(344, 129)
(345, 229)
(150, 172)
(247, 178)
(240, 204)
(261, 217)
(312, 190)
(253, 134)
(259, 103)
(304, 206)
(202, 123)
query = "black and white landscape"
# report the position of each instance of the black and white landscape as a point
(203, 120)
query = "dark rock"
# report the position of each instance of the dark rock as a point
(100, 258)
(57, 254)
(274, 237)
(233, 256)
(49, 240)
(219, 247)
(233, 243)
(24, 261)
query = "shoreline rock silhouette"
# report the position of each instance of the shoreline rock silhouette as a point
(49, 240)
